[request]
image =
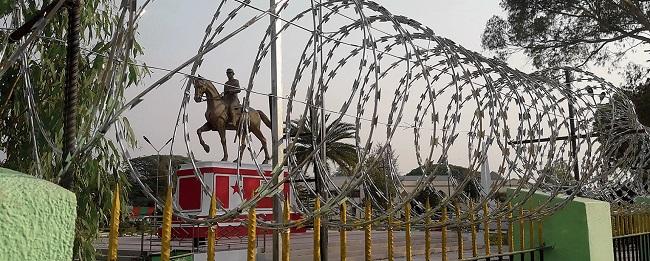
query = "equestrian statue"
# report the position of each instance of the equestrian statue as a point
(224, 112)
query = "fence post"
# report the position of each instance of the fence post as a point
(368, 231)
(473, 228)
(389, 230)
(407, 231)
(286, 250)
(511, 230)
(427, 232)
(165, 250)
(252, 235)
(459, 232)
(317, 230)
(343, 237)
(115, 224)
(486, 228)
(212, 228)
(443, 232)
(499, 236)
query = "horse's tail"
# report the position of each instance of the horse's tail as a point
(265, 119)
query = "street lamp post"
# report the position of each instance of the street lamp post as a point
(155, 221)
(157, 159)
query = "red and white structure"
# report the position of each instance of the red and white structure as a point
(232, 186)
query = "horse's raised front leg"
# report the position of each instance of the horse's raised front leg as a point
(204, 128)
(222, 136)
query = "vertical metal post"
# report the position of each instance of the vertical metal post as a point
(459, 231)
(276, 91)
(343, 238)
(486, 228)
(407, 232)
(572, 128)
(71, 89)
(499, 236)
(389, 230)
(115, 224)
(443, 232)
(473, 228)
(368, 231)
(323, 149)
(511, 230)
(212, 229)
(317, 223)
(427, 232)
(522, 232)
(286, 251)
(251, 251)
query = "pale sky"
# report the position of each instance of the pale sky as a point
(171, 33)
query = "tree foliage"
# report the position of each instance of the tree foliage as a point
(381, 173)
(94, 172)
(575, 32)
(557, 175)
(337, 148)
(153, 172)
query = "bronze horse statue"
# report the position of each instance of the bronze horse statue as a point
(216, 119)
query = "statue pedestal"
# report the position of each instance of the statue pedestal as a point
(37, 218)
(231, 184)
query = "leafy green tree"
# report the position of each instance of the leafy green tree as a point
(93, 173)
(557, 174)
(559, 32)
(153, 171)
(380, 173)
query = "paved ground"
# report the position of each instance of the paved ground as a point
(302, 246)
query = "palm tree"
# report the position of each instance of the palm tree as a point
(336, 149)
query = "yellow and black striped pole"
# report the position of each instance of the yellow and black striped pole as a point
(251, 253)
(368, 231)
(343, 234)
(115, 224)
(317, 230)
(212, 229)
(165, 250)
(286, 247)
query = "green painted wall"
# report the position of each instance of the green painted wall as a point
(37, 218)
(581, 230)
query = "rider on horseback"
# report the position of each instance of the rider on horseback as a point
(230, 90)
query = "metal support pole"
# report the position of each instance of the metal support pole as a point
(323, 150)
(367, 232)
(572, 127)
(276, 91)
(343, 238)
(71, 89)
